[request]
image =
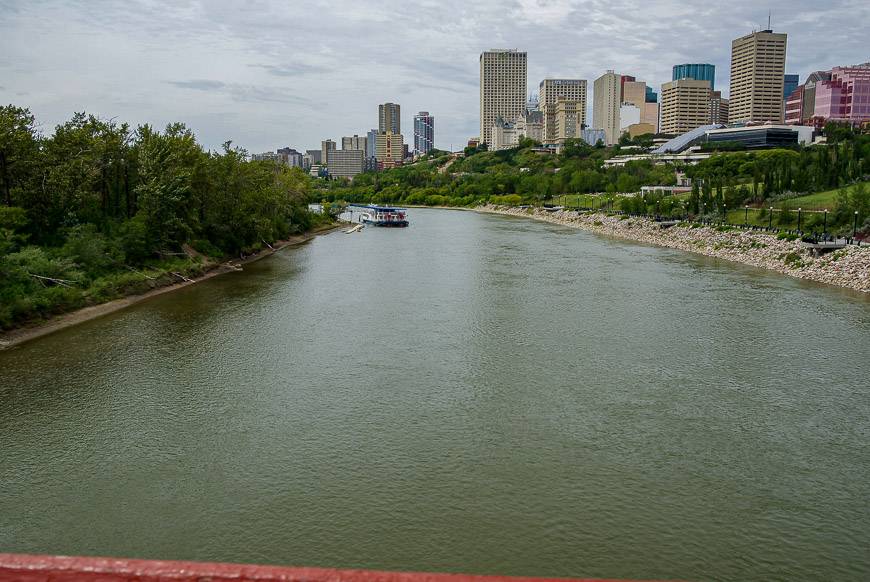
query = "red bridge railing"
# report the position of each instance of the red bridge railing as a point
(30, 568)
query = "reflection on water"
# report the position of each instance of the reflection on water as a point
(474, 393)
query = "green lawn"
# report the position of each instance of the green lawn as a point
(817, 201)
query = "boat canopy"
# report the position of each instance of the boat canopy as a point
(377, 208)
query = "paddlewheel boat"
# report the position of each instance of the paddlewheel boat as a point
(383, 216)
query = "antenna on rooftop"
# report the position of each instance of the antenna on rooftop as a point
(768, 19)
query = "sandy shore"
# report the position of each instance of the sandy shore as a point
(18, 336)
(849, 267)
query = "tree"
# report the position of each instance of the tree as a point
(19, 148)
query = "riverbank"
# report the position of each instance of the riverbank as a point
(211, 268)
(849, 267)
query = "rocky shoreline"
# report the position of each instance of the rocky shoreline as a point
(849, 267)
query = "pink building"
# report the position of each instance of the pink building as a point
(841, 94)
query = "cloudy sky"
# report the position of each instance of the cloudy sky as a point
(266, 74)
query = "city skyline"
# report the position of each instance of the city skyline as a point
(263, 79)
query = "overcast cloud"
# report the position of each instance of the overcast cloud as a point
(269, 74)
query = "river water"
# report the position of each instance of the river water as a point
(474, 393)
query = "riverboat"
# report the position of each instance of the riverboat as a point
(383, 216)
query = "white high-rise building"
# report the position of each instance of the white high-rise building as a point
(503, 84)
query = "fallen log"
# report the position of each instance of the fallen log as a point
(62, 282)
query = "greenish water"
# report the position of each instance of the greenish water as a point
(475, 393)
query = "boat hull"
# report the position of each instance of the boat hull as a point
(387, 223)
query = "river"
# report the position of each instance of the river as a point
(475, 393)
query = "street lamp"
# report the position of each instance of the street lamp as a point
(724, 213)
(855, 226)
(746, 215)
(799, 221)
(770, 219)
(825, 227)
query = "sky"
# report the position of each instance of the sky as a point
(269, 74)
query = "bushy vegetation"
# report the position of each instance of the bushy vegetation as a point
(99, 209)
(525, 174)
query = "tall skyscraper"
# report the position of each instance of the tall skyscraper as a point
(697, 71)
(503, 84)
(550, 92)
(757, 77)
(424, 132)
(326, 146)
(685, 105)
(606, 100)
(389, 118)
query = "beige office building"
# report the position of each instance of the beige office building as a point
(346, 163)
(606, 101)
(757, 69)
(568, 119)
(685, 106)
(549, 92)
(503, 85)
(718, 108)
(389, 150)
(634, 94)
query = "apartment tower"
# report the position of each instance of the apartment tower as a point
(424, 132)
(389, 118)
(685, 105)
(757, 77)
(606, 101)
(550, 92)
(503, 84)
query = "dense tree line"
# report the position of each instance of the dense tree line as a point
(98, 207)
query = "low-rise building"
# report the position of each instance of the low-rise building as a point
(505, 135)
(346, 163)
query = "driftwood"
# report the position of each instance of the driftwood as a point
(61, 282)
(267, 244)
(182, 277)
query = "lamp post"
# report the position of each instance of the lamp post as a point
(799, 221)
(746, 215)
(705, 210)
(855, 226)
(770, 219)
(825, 227)
(724, 213)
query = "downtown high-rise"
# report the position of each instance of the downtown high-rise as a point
(389, 118)
(503, 85)
(757, 77)
(424, 132)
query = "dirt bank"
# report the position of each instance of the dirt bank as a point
(18, 336)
